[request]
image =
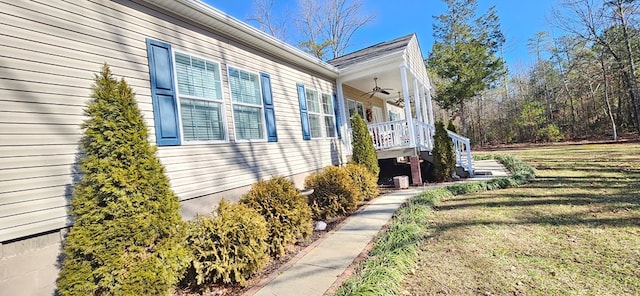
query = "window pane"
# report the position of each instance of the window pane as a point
(360, 108)
(327, 104)
(248, 122)
(197, 77)
(313, 104)
(201, 120)
(315, 123)
(352, 108)
(245, 87)
(329, 126)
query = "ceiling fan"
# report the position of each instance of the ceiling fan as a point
(376, 89)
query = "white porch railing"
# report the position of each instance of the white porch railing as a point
(424, 133)
(390, 134)
(462, 150)
(393, 134)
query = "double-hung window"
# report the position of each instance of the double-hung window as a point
(200, 99)
(248, 114)
(328, 114)
(315, 113)
(355, 107)
(318, 115)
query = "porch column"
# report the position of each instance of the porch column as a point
(431, 119)
(344, 125)
(416, 97)
(407, 106)
(425, 112)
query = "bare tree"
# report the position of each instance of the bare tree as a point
(344, 19)
(263, 15)
(310, 23)
(330, 25)
(592, 23)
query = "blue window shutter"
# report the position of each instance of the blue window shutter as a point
(269, 112)
(336, 110)
(163, 95)
(304, 116)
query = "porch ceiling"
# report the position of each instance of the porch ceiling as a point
(386, 68)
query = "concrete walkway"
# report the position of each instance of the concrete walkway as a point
(317, 270)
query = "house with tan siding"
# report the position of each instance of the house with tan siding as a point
(226, 105)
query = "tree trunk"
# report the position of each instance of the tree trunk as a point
(635, 95)
(606, 99)
(463, 120)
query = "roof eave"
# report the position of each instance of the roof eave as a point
(217, 20)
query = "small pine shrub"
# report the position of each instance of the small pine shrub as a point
(287, 213)
(334, 193)
(451, 126)
(364, 180)
(444, 163)
(363, 151)
(227, 248)
(128, 236)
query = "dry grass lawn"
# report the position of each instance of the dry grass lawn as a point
(574, 230)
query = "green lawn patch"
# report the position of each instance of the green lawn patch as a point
(573, 230)
(396, 251)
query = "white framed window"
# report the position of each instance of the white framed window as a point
(315, 113)
(199, 92)
(248, 110)
(329, 116)
(355, 107)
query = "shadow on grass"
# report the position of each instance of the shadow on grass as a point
(621, 196)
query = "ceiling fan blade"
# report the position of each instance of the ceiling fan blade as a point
(364, 94)
(384, 91)
(371, 96)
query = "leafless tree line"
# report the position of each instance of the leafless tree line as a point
(582, 84)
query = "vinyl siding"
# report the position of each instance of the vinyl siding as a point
(416, 61)
(48, 56)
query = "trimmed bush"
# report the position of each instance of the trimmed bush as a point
(444, 163)
(286, 211)
(363, 151)
(227, 248)
(128, 236)
(334, 194)
(364, 181)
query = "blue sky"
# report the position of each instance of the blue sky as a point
(520, 20)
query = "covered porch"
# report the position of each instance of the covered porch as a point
(387, 84)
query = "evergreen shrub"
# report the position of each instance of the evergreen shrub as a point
(444, 163)
(228, 247)
(451, 126)
(549, 133)
(364, 180)
(128, 236)
(363, 151)
(334, 193)
(287, 213)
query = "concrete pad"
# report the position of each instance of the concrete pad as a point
(489, 168)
